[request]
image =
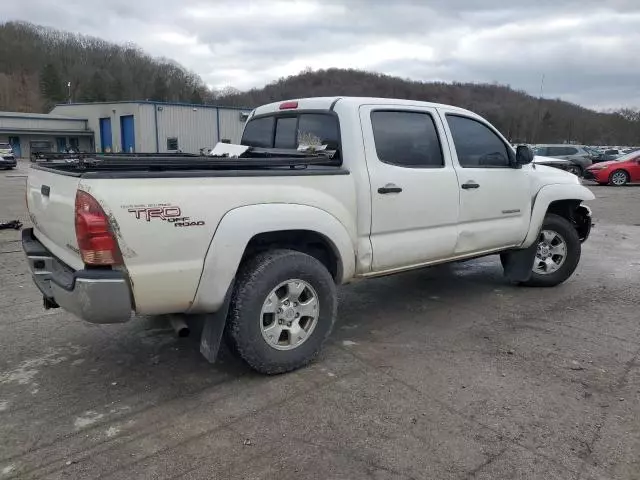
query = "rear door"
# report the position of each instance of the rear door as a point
(414, 188)
(495, 198)
(51, 203)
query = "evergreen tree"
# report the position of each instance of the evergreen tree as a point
(51, 85)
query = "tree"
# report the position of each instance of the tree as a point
(96, 89)
(196, 97)
(160, 89)
(51, 86)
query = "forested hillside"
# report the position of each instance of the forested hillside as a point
(519, 116)
(36, 64)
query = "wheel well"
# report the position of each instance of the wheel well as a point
(305, 241)
(572, 210)
(620, 170)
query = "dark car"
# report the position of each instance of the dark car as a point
(580, 156)
(7, 157)
(607, 156)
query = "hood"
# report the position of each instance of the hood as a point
(550, 160)
(5, 151)
(599, 165)
(542, 175)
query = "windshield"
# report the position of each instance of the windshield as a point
(628, 156)
(291, 129)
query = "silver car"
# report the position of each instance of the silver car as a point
(580, 156)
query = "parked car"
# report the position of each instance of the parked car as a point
(607, 155)
(325, 191)
(618, 172)
(39, 147)
(7, 157)
(579, 155)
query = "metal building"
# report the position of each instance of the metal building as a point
(157, 126)
(33, 132)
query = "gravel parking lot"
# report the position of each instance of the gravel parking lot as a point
(447, 372)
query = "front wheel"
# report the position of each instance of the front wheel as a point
(619, 178)
(282, 310)
(557, 253)
(576, 170)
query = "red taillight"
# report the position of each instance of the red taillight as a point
(96, 242)
(288, 105)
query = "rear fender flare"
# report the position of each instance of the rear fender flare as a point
(546, 195)
(240, 225)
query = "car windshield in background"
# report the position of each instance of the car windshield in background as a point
(5, 146)
(626, 157)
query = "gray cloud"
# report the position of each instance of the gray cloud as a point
(587, 50)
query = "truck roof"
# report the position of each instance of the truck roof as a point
(326, 103)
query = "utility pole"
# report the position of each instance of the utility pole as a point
(69, 88)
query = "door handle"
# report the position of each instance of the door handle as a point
(389, 188)
(470, 184)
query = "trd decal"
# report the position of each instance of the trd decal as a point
(148, 213)
(168, 213)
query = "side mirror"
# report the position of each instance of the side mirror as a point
(524, 155)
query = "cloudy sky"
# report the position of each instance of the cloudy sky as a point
(588, 51)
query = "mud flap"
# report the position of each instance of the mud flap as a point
(213, 329)
(518, 264)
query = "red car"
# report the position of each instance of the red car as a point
(618, 172)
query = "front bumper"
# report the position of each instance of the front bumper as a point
(8, 161)
(97, 296)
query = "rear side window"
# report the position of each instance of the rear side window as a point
(477, 146)
(259, 133)
(571, 150)
(406, 139)
(292, 131)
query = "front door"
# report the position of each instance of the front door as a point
(495, 197)
(414, 189)
(61, 144)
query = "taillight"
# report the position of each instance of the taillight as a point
(96, 241)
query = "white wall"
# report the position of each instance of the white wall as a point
(195, 126)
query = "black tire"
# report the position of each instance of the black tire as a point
(576, 170)
(619, 171)
(257, 277)
(566, 230)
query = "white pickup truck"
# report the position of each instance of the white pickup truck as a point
(258, 243)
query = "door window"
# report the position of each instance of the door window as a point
(406, 139)
(476, 144)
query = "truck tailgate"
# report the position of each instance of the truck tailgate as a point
(51, 203)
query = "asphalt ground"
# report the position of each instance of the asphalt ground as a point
(448, 372)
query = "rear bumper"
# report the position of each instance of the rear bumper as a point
(97, 296)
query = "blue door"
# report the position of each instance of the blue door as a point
(61, 144)
(15, 145)
(127, 134)
(105, 135)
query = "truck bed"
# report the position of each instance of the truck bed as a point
(266, 162)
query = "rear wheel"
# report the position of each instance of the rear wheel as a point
(282, 310)
(619, 178)
(557, 254)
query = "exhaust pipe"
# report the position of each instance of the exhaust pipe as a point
(179, 325)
